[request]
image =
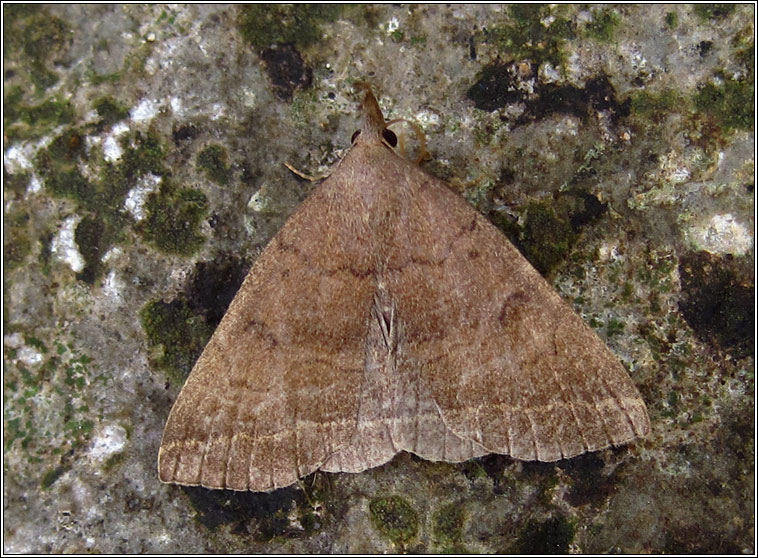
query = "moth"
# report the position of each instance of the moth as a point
(388, 315)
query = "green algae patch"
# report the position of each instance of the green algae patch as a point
(672, 20)
(110, 111)
(17, 243)
(713, 12)
(24, 121)
(546, 239)
(173, 218)
(395, 519)
(526, 37)
(262, 25)
(603, 26)
(177, 336)
(718, 300)
(213, 162)
(34, 38)
(731, 102)
(173, 214)
(552, 536)
(655, 105)
(46, 411)
(51, 476)
(447, 528)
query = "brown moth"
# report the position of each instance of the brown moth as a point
(388, 315)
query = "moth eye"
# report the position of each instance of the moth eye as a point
(355, 135)
(390, 137)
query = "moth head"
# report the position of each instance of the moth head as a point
(388, 136)
(374, 128)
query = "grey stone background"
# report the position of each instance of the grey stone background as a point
(143, 172)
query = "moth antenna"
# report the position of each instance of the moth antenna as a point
(303, 175)
(422, 152)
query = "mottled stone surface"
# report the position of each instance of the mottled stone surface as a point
(143, 174)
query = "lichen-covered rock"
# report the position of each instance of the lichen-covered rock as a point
(613, 144)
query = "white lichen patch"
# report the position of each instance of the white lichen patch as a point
(548, 73)
(145, 110)
(259, 202)
(608, 252)
(29, 355)
(64, 246)
(427, 119)
(137, 196)
(35, 184)
(217, 111)
(721, 234)
(19, 157)
(110, 440)
(113, 286)
(176, 106)
(26, 354)
(112, 254)
(112, 150)
(14, 340)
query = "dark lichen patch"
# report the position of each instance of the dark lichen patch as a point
(698, 540)
(598, 95)
(447, 528)
(497, 85)
(704, 47)
(492, 466)
(16, 248)
(707, 12)
(604, 23)
(92, 239)
(718, 301)
(286, 70)
(176, 334)
(549, 230)
(494, 87)
(582, 208)
(186, 132)
(264, 516)
(552, 536)
(590, 484)
(214, 285)
(395, 519)
(213, 161)
(263, 25)
(173, 218)
(526, 37)
(178, 330)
